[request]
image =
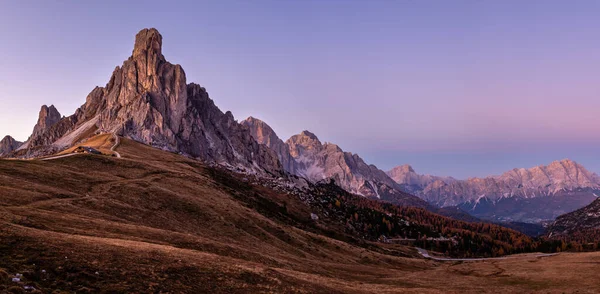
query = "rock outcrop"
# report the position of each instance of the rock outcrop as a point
(307, 157)
(8, 145)
(530, 195)
(48, 117)
(149, 100)
(265, 135)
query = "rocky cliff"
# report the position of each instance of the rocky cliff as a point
(8, 145)
(265, 135)
(149, 100)
(317, 161)
(305, 156)
(48, 117)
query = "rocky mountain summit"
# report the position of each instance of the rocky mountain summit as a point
(317, 161)
(48, 117)
(406, 176)
(8, 144)
(149, 100)
(265, 135)
(531, 195)
(306, 156)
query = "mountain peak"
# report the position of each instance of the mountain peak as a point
(48, 110)
(8, 144)
(261, 130)
(7, 139)
(565, 170)
(47, 117)
(148, 42)
(405, 168)
(305, 139)
(406, 175)
(265, 135)
(566, 161)
(254, 120)
(306, 133)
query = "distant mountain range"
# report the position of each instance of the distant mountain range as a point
(527, 195)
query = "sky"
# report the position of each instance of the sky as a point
(454, 88)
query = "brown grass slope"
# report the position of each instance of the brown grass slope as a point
(156, 222)
(102, 143)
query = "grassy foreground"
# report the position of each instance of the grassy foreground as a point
(157, 222)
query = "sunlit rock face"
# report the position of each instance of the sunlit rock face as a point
(304, 155)
(265, 135)
(149, 100)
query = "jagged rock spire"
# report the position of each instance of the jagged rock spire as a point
(48, 116)
(148, 42)
(147, 99)
(149, 61)
(8, 144)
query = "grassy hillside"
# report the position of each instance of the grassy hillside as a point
(159, 222)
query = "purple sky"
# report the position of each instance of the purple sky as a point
(461, 88)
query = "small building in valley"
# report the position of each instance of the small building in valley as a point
(85, 149)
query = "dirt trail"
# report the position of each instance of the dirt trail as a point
(425, 254)
(58, 156)
(112, 149)
(117, 142)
